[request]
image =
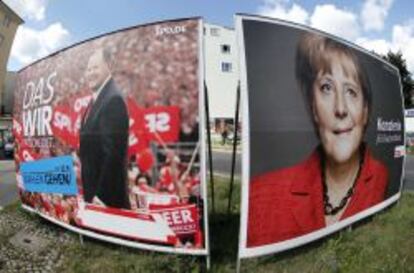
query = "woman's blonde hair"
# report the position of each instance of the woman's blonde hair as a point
(317, 53)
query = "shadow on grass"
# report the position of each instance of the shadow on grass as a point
(379, 243)
(224, 238)
(341, 251)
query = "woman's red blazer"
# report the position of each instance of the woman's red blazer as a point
(287, 203)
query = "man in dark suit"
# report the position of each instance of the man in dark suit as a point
(104, 138)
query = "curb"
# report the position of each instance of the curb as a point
(225, 151)
(224, 175)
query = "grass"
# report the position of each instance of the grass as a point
(95, 256)
(410, 150)
(216, 143)
(382, 243)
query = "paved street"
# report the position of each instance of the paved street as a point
(8, 187)
(221, 164)
(409, 173)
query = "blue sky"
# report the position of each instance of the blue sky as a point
(378, 25)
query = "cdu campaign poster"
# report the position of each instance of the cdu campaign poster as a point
(324, 134)
(108, 137)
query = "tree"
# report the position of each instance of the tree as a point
(407, 82)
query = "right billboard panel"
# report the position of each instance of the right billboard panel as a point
(324, 131)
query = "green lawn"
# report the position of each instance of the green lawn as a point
(383, 243)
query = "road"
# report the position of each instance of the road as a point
(409, 173)
(8, 187)
(221, 164)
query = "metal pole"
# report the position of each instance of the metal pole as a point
(81, 239)
(233, 160)
(210, 156)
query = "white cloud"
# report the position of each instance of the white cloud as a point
(374, 13)
(280, 9)
(30, 44)
(336, 21)
(403, 34)
(350, 25)
(327, 17)
(402, 40)
(29, 9)
(379, 46)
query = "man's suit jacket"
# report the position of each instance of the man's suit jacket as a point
(103, 148)
(288, 202)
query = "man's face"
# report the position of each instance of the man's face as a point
(339, 110)
(97, 71)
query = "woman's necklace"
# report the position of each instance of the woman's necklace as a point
(328, 207)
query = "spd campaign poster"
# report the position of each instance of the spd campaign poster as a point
(324, 134)
(108, 137)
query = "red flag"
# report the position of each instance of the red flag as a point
(78, 110)
(26, 153)
(137, 136)
(158, 123)
(81, 103)
(66, 121)
(163, 123)
(145, 160)
(63, 126)
(17, 130)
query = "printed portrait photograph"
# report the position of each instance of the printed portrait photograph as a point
(326, 132)
(120, 113)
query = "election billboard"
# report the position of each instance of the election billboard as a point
(109, 138)
(324, 134)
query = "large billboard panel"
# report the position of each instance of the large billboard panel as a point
(324, 134)
(109, 137)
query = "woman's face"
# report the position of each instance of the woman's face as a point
(339, 110)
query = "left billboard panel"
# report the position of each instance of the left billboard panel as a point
(108, 137)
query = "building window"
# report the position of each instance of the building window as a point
(225, 49)
(226, 67)
(6, 20)
(214, 31)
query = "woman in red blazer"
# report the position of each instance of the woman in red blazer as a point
(341, 177)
